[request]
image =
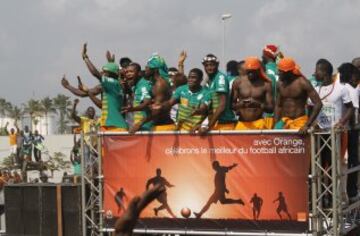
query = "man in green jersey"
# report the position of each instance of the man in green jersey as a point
(191, 98)
(269, 56)
(142, 96)
(221, 117)
(112, 94)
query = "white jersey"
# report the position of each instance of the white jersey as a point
(174, 112)
(333, 97)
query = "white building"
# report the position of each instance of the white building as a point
(4, 120)
(45, 125)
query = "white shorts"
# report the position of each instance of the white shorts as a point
(13, 149)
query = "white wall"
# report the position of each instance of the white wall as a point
(4, 120)
(51, 122)
(54, 143)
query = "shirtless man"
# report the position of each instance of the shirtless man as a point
(156, 71)
(252, 97)
(293, 93)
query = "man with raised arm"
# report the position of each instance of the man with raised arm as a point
(293, 92)
(221, 116)
(156, 71)
(87, 124)
(112, 94)
(83, 91)
(252, 96)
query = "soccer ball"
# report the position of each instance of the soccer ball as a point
(109, 214)
(185, 212)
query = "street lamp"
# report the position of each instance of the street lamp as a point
(224, 17)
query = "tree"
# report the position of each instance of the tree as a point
(16, 113)
(63, 105)
(33, 108)
(57, 162)
(7, 163)
(4, 109)
(47, 106)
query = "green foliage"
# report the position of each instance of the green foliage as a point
(7, 163)
(63, 105)
(16, 113)
(5, 106)
(57, 162)
(60, 104)
(33, 108)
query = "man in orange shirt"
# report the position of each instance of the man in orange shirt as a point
(12, 140)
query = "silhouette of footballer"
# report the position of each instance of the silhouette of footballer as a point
(162, 198)
(257, 204)
(282, 206)
(119, 199)
(220, 189)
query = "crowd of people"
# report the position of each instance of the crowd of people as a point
(266, 93)
(256, 93)
(24, 145)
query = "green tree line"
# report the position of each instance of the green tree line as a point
(61, 105)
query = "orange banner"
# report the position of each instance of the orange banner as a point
(260, 177)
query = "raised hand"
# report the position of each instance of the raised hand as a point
(126, 223)
(76, 101)
(64, 82)
(110, 57)
(84, 51)
(81, 86)
(182, 57)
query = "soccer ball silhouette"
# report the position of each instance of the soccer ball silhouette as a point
(185, 212)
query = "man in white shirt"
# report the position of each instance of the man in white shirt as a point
(349, 75)
(337, 107)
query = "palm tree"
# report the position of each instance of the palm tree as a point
(16, 113)
(63, 104)
(47, 106)
(33, 108)
(4, 108)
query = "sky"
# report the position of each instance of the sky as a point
(40, 40)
